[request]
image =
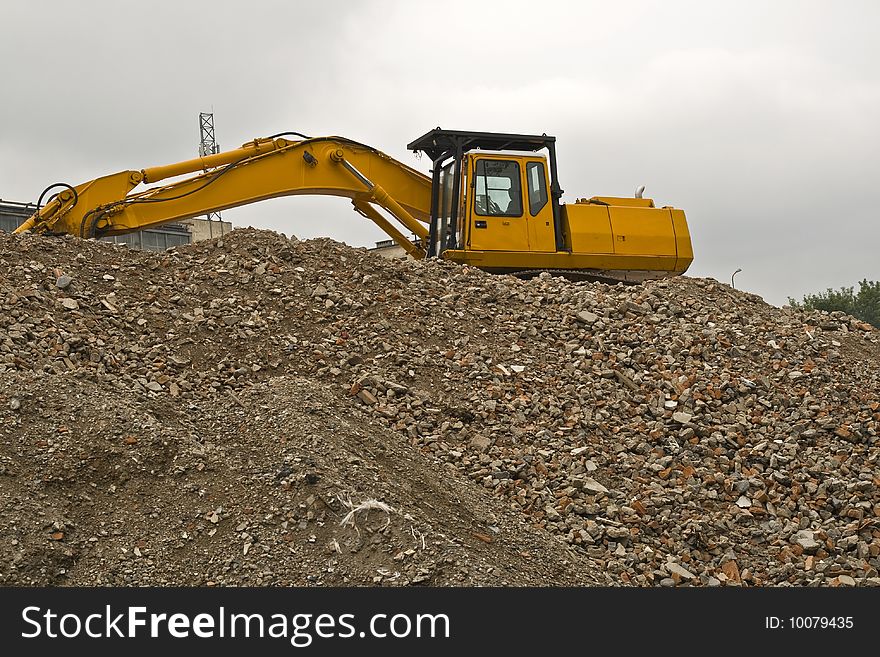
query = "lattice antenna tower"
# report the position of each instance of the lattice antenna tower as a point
(208, 146)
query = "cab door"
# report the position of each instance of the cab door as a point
(497, 218)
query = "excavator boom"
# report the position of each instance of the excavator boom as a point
(261, 169)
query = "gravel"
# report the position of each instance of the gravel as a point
(673, 433)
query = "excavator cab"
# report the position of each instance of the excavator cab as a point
(492, 192)
(508, 205)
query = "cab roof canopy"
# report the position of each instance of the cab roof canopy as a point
(439, 144)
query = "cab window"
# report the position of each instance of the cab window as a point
(537, 185)
(497, 189)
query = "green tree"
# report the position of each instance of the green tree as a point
(864, 304)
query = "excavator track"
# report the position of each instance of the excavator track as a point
(577, 276)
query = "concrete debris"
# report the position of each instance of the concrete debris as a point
(675, 569)
(587, 317)
(735, 442)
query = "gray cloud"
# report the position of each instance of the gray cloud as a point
(758, 119)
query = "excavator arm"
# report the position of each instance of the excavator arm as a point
(261, 169)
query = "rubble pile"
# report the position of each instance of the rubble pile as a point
(213, 413)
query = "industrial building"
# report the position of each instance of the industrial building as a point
(389, 249)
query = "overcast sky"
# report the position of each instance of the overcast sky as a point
(761, 120)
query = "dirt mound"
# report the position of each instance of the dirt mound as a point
(104, 487)
(214, 413)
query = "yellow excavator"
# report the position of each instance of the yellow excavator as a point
(493, 201)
